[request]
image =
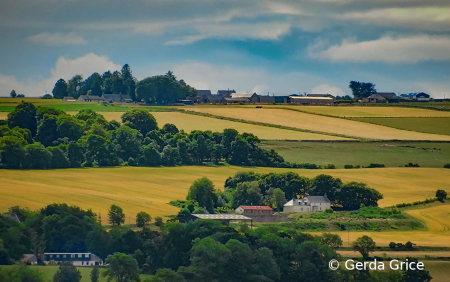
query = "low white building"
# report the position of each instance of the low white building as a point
(77, 259)
(308, 204)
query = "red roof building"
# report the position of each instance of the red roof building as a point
(254, 210)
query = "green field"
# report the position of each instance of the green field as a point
(438, 125)
(49, 271)
(391, 154)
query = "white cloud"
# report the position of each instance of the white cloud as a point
(386, 49)
(57, 39)
(423, 18)
(328, 89)
(242, 79)
(64, 68)
(266, 31)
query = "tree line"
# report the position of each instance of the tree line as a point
(161, 89)
(197, 251)
(44, 138)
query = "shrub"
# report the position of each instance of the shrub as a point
(409, 245)
(447, 166)
(158, 221)
(411, 165)
(441, 195)
(373, 165)
(348, 166)
(329, 210)
(392, 245)
(330, 166)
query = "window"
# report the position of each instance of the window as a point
(72, 256)
(302, 209)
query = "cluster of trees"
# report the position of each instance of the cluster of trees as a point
(274, 190)
(160, 89)
(14, 94)
(196, 251)
(362, 89)
(97, 85)
(42, 138)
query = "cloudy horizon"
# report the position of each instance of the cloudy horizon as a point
(275, 47)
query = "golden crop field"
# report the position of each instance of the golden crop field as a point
(437, 218)
(192, 122)
(367, 111)
(150, 189)
(398, 254)
(318, 123)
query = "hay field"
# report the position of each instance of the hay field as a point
(318, 123)
(437, 218)
(150, 189)
(398, 254)
(192, 122)
(367, 111)
(434, 125)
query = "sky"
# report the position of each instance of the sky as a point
(268, 47)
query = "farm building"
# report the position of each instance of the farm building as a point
(77, 259)
(416, 96)
(305, 100)
(320, 95)
(374, 98)
(281, 99)
(213, 99)
(236, 100)
(202, 93)
(251, 97)
(225, 93)
(254, 210)
(111, 98)
(69, 99)
(387, 95)
(308, 204)
(88, 98)
(266, 99)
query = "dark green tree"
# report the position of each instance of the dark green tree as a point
(325, 184)
(60, 89)
(275, 199)
(23, 116)
(364, 245)
(37, 156)
(203, 192)
(116, 217)
(95, 274)
(67, 272)
(170, 156)
(47, 131)
(353, 194)
(247, 194)
(122, 267)
(140, 120)
(416, 275)
(74, 86)
(142, 219)
(13, 94)
(441, 195)
(362, 89)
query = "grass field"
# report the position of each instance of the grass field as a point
(358, 111)
(194, 122)
(391, 154)
(439, 125)
(318, 123)
(49, 271)
(138, 189)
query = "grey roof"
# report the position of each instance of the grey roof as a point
(87, 97)
(376, 96)
(214, 97)
(306, 201)
(29, 258)
(311, 98)
(231, 100)
(320, 95)
(318, 199)
(223, 216)
(225, 92)
(242, 95)
(203, 92)
(387, 95)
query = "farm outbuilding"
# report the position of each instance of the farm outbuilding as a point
(254, 210)
(251, 97)
(305, 100)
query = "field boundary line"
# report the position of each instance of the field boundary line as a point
(270, 125)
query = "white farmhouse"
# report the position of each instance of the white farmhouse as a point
(308, 204)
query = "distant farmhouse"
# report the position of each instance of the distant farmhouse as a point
(380, 97)
(308, 204)
(77, 259)
(225, 93)
(109, 98)
(243, 98)
(416, 96)
(313, 99)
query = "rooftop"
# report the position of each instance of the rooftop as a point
(258, 208)
(223, 216)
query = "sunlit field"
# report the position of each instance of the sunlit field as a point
(147, 189)
(367, 111)
(189, 122)
(318, 123)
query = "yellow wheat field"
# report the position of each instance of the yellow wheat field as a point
(318, 123)
(355, 111)
(189, 122)
(150, 189)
